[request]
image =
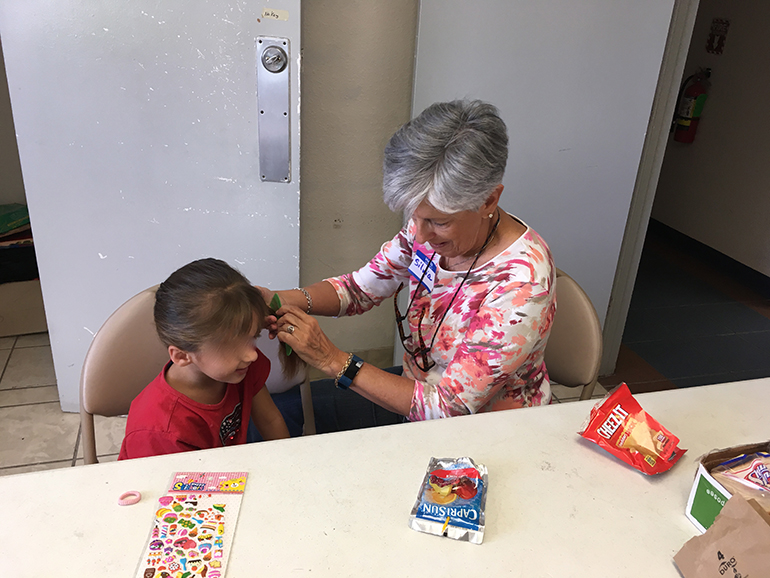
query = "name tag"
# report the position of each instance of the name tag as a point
(418, 270)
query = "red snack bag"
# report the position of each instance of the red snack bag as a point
(620, 425)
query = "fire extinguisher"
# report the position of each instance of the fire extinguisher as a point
(692, 97)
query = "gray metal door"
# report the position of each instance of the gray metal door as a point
(139, 136)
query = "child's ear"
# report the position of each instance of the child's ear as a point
(178, 356)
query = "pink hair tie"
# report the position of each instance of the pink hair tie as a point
(129, 498)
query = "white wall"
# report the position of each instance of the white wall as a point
(574, 82)
(717, 189)
(137, 130)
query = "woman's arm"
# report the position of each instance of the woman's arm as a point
(322, 296)
(392, 392)
(357, 292)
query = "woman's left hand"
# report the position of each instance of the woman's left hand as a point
(304, 335)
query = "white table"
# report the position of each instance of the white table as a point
(338, 504)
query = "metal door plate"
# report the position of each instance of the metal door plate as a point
(273, 108)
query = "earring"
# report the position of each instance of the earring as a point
(491, 215)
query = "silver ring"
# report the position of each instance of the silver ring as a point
(290, 329)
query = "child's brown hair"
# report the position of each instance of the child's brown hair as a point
(208, 300)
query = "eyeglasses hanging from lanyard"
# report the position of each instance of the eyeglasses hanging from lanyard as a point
(420, 354)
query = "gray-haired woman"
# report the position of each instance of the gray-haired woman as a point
(479, 281)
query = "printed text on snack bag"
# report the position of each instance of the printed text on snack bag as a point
(613, 422)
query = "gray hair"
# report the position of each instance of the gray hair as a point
(452, 155)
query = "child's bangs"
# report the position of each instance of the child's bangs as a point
(234, 315)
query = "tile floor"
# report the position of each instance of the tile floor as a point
(36, 435)
(696, 317)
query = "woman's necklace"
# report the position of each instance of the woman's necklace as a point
(465, 277)
(480, 251)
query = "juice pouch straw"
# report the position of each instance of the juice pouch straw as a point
(451, 500)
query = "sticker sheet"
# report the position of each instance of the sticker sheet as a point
(194, 525)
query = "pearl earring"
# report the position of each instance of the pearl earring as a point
(491, 215)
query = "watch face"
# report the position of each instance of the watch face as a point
(353, 369)
(346, 379)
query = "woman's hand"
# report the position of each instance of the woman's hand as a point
(304, 335)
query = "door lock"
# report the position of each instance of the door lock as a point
(274, 58)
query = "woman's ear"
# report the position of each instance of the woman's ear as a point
(179, 357)
(493, 199)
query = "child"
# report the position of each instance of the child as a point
(208, 315)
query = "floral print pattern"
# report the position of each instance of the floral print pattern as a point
(489, 350)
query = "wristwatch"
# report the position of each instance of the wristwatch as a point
(346, 379)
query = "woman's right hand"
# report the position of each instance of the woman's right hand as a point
(307, 339)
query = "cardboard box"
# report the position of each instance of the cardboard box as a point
(707, 496)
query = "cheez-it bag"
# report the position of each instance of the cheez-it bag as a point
(620, 425)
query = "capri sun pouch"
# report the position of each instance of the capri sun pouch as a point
(451, 500)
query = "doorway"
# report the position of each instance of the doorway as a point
(21, 300)
(698, 311)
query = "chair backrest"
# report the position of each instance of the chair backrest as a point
(574, 350)
(125, 355)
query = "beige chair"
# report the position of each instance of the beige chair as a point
(126, 354)
(574, 349)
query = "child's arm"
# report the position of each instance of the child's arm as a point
(267, 418)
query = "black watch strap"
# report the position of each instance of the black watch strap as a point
(346, 379)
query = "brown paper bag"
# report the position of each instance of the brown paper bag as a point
(737, 545)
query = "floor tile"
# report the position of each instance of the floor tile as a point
(599, 391)
(33, 340)
(677, 358)
(660, 283)
(686, 321)
(708, 379)
(7, 342)
(102, 459)
(742, 318)
(110, 432)
(762, 307)
(35, 467)
(32, 434)
(758, 341)
(28, 395)
(4, 355)
(651, 386)
(632, 369)
(29, 366)
(729, 353)
(564, 393)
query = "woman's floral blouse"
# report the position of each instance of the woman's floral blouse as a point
(488, 352)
